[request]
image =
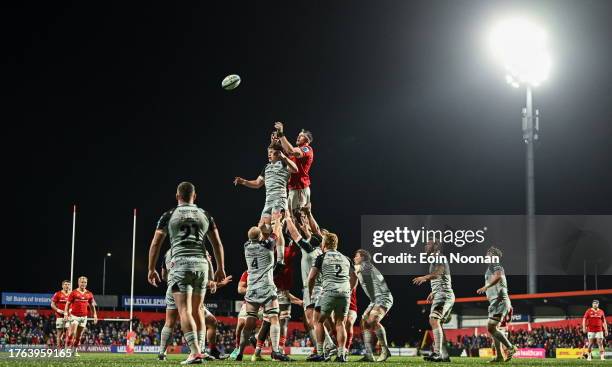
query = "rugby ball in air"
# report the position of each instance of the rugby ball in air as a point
(230, 82)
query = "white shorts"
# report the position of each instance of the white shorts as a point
(81, 321)
(298, 198)
(352, 315)
(595, 335)
(61, 323)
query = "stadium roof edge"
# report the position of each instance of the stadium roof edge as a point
(531, 296)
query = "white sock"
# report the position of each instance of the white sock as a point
(341, 350)
(438, 340)
(502, 339)
(381, 334)
(274, 336)
(367, 340)
(329, 342)
(166, 333)
(192, 341)
(202, 340)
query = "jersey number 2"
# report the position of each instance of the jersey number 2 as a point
(338, 270)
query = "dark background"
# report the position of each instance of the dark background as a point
(110, 105)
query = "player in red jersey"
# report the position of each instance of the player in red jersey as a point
(58, 304)
(595, 326)
(76, 311)
(303, 156)
(242, 288)
(350, 320)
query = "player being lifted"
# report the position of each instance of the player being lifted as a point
(375, 287)
(496, 289)
(76, 310)
(442, 298)
(338, 279)
(187, 226)
(595, 326)
(303, 156)
(275, 176)
(58, 304)
(261, 291)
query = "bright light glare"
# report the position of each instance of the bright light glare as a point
(520, 46)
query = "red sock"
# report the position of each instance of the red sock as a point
(212, 345)
(282, 341)
(259, 344)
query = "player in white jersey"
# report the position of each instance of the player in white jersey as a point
(261, 291)
(338, 279)
(172, 314)
(187, 226)
(496, 289)
(442, 298)
(308, 236)
(375, 287)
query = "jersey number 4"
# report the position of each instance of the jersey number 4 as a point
(254, 264)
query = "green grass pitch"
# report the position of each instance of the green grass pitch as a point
(122, 360)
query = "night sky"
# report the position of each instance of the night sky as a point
(110, 105)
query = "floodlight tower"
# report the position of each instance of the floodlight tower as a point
(521, 48)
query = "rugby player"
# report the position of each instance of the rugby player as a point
(187, 226)
(595, 326)
(261, 291)
(442, 298)
(308, 238)
(496, 289)
(375, 287)
(303, 156)
(58, 304)
(76, 311)
(338, 279)
(274, 176)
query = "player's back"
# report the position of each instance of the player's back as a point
(259, 256)
(443, 283)
(335, 270)
(372, 281)
(187, 226)
(309, 256)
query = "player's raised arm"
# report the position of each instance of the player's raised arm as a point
(217, 245)
(291, 166)
(287, 147)
(251, 184)
(314, 226)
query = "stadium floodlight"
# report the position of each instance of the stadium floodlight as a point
(108, 254)
(521, 47)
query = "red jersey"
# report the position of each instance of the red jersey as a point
(353, 305)
(301, 179)
(60, 298)
(80, 302)
(594, 320)
(284, 278)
